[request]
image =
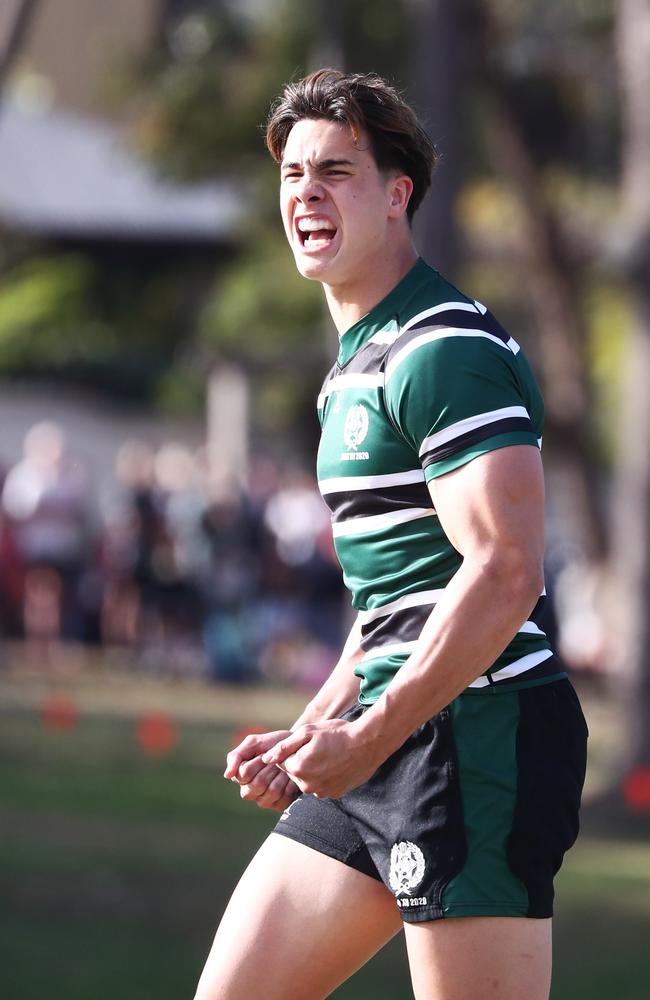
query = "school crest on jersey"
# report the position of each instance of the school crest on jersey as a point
(406, 867)
(356, 426)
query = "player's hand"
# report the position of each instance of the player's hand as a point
(264, 784)
(270, 788)
(249, 749)
(325, 759)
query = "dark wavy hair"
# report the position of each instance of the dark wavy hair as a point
(366, 103)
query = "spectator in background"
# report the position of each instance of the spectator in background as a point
(300, 609)
(180, 559)
(233, 531)
(139, 557)
(50, 514)
(12, 581)
(190, 571)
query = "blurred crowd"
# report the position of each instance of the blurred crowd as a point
(180, 570)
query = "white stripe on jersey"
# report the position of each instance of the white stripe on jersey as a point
(341, 484)
(415, 600)
(390, 336)
(414, 320)
(350, 381)
(431, 335)
(376, 522)
(385, 336)
(532, 628)
(469, 424)
(514, 669)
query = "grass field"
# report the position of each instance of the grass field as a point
(114, 867)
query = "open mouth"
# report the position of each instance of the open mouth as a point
(315, 233)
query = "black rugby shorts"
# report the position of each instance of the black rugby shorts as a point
(472, 815)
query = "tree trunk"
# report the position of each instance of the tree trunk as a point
(553, 292)
(437, 94)
(631, 530)
(14, 22)
(326, 47)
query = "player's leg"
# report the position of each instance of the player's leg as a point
(298, 924)
(494, 958)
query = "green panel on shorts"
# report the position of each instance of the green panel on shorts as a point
(485, 732)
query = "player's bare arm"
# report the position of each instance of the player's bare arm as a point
(267, 785)
(492, 512)
(341, 688)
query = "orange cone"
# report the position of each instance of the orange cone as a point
(636, 789)
(156, 733)
(59, 712)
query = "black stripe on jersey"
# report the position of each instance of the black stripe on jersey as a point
(367, 361)
(400, 626)
(463, 320)
(348, 504)
(463, 441)
(332, 373)
(539, 612)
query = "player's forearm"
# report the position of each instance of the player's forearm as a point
(341, 689)
(482, 609)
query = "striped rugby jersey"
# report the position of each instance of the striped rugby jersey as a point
(424, 382)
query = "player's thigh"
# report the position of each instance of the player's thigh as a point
(494, 958)
(298, 922)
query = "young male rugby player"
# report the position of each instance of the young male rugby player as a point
(435, 778)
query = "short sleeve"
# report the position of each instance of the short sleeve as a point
(457, 397)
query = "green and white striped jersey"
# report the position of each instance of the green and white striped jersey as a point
(424, 383)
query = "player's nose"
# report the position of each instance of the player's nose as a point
(309, 189)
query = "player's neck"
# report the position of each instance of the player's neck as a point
(350, 301)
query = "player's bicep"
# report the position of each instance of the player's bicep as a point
(495, 503)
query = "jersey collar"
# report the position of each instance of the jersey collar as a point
(385, 315)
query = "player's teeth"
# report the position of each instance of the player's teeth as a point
(312, 225)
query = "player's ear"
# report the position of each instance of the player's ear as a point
(400, 191)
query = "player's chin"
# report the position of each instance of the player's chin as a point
(315, 266)
(310, 268)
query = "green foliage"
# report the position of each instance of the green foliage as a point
(261, 307)
(42, 302)
(377, 38)
(116, 322)
(202, 101)
(607, 308)
(197, 103)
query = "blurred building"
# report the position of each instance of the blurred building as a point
(72, 183)
(67, 170)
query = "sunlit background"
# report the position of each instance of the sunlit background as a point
(167, 577)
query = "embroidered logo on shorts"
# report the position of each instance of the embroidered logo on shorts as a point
(287, 812)
(406, 867)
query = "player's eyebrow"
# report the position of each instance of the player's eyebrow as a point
(320, 164)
